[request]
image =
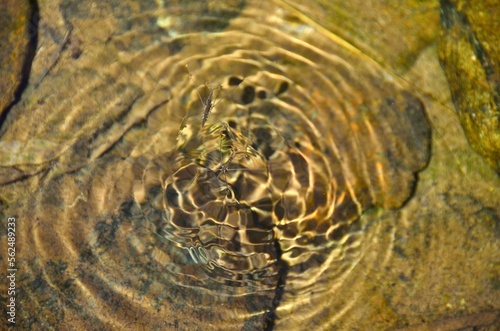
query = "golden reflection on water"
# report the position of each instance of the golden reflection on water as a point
(281, 211)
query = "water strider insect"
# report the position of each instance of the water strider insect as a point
(211, 99)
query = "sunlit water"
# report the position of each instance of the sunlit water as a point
(270, 207)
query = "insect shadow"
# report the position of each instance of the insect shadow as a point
(236, 159)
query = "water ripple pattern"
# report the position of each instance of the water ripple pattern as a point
(270, 202)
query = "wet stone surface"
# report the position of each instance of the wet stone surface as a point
(230, 165)
(470, 56)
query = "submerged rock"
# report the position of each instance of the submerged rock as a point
(470, 55)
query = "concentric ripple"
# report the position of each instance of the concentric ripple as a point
(293, 155)
(269, 205)
(270, 186)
